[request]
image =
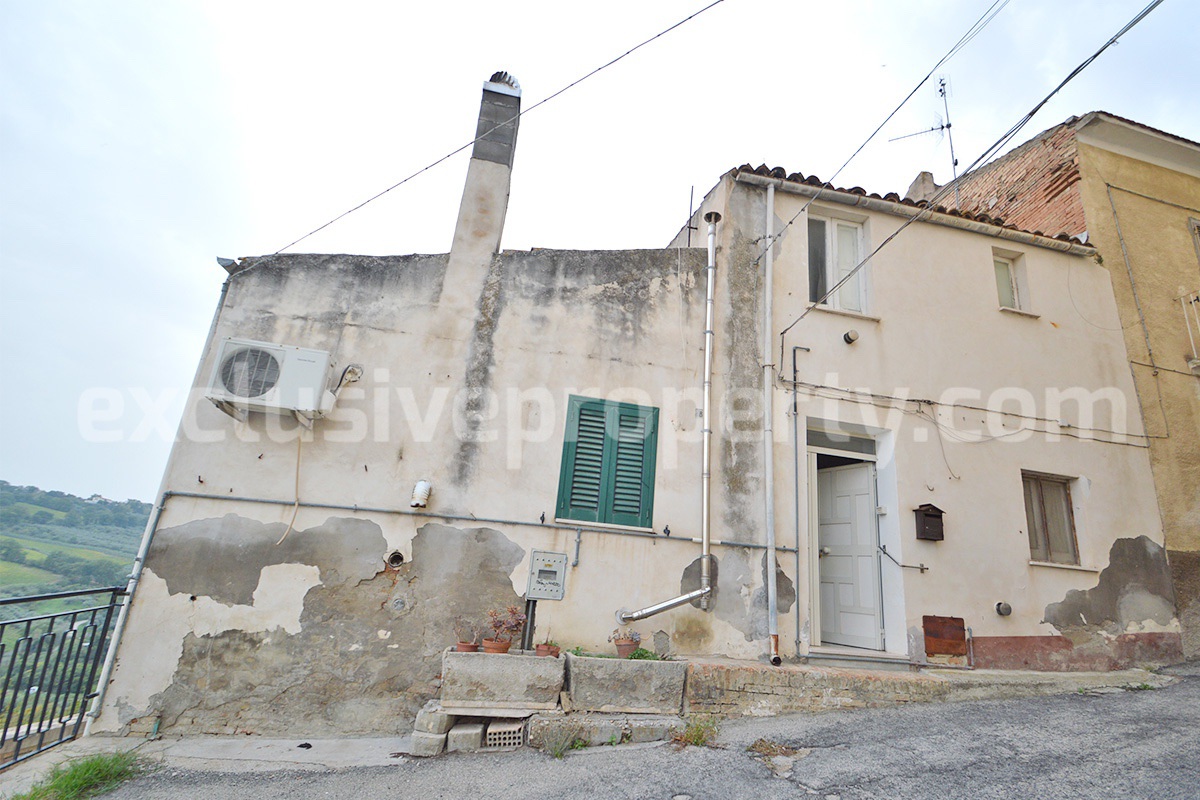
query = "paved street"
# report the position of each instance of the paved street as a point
(1107, 744)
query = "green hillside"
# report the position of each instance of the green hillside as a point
(55, 542)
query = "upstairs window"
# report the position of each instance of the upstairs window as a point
(1012, 288)
(1049, 518)
(1006, 283)
(608, 458)
(834, 249)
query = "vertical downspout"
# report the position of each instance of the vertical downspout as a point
(768, 386)
(139, 563)
(796, 482)
(712, 218)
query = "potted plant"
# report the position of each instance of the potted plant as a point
(505, 627)
(468, 634)
(548, 648)
(626, 641)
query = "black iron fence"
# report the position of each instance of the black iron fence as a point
(51, 648)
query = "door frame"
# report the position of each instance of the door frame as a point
(814, 546)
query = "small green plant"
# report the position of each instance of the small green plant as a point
(642, 654)
(86, 777)
(614, 740)
(558, 742)
(699, 732)
(1141, 687)
(577, 650)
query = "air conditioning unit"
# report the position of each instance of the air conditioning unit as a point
(271, 378)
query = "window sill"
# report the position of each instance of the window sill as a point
(1075, 567)
(839, 312)
(1018, 312)
(608, 526)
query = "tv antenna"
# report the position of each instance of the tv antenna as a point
(941, 126)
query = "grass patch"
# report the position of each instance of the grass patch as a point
(21, 574)
(1141, 687)
(558, 742)
(31, 509)
(699, 732)
(86, 777)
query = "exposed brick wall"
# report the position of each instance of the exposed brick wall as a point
(1035, 187)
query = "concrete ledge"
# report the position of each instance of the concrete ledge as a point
(548, 731)
(491, 680)
(736, 689)
(615, 685)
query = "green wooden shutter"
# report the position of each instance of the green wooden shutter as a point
(632, 440)
(581, 480)
(608, 462)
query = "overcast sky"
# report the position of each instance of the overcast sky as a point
(140, 139)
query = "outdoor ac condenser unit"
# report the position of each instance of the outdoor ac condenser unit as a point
(272, 378)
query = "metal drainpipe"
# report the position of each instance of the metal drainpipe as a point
(712, 218)
(768, 381)
(111, 656)
(704, 593)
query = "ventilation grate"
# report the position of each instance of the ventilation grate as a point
(505, 735)
(250, 373)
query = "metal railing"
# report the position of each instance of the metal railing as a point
(49, 657)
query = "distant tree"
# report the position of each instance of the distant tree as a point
(42, 517)
(11, 552)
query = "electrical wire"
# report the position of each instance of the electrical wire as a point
(971, 33)
(988, 153)
(510, 121)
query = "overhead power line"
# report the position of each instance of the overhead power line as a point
(510, 121)
(981, 23)
(988, 153)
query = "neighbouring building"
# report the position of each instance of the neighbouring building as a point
(376, 446)
(1133, 193)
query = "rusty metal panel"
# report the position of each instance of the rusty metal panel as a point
(945, 636)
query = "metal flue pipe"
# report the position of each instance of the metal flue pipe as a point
(712, 218)
(704, 593)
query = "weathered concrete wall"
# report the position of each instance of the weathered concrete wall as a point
(238, 627)
(1152, 206)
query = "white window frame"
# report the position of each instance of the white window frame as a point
(1017, 277)
(859, 281)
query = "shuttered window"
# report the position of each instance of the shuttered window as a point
(608, 463)
(1049, 518)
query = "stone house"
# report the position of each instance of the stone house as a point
(1132, 192)
(377, 446)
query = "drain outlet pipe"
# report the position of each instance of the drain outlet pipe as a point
(704, 593)
(768, 440)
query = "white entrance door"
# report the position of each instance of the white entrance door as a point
(847, 540)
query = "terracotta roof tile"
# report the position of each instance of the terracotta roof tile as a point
(779, 173)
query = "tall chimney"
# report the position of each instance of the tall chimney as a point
(485, 196)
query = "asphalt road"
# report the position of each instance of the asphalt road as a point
(1113, 744)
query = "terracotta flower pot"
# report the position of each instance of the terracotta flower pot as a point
(545, 650)
(466, 647)
(555, 650)
(625, 647)
(495, 646)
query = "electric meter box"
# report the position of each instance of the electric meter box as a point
(547, 576)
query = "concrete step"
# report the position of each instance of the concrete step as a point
(840, 658)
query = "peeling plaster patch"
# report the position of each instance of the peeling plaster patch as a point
(1135, 588)
(367, 655)
(224, 558)
(732, 579)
